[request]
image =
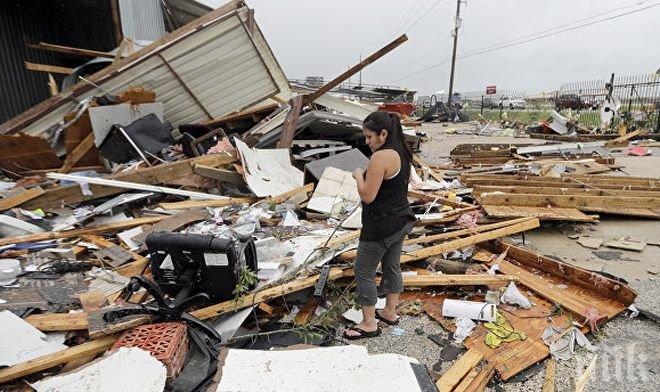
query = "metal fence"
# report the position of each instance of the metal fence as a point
(638, 98)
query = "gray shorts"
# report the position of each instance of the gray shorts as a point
(369, 254)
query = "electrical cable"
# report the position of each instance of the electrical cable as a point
(518, 42)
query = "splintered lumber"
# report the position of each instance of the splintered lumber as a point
(53, 322)
(549, 381)
(459, 370)
(356, 68)
(84, 350)
(128, 270)
(542, 213)
(478, 190)
(610, 204)
(222, 175)
(263, 295)
(290, 122)
(418, 160)
(623, 140)
(17, 200)
(53, 235)
(619, 182)
(581, 382)
(47, 68)
(289, 194)
(440, 199)
(71, 50)
(159, 174)
(476, 380)
(78, 153)
(457, 233)
(449, 246)
(188, 204)
(587, 280)
(457, 280)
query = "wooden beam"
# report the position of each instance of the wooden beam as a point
(188, 204)
(290, 122)
(53, 235)
(458, 233)
(222, 175)
(457, 280)
(543, 213)
(71, 50)
(78, 153)
(478, 190)
(17, 200)
(459, 370)
(623, 140)
(289, 194)
(53, 322)
(158, 174)
(458, 243)
(549, 381)
(581, 202)
(116, 22)
(45, 362)
(47, 68)
(356, 68)
(264, 295)
(430, 197)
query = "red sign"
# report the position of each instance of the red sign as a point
(491, 90)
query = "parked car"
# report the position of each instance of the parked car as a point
(506, 102)
(574, 101)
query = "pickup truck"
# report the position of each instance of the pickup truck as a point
(506, 102)
(574, 101)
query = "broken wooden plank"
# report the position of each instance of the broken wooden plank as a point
(17, 200)
(158, 174)
(586, 279)
(542, 213)
(71, 50)
(457, 280)
(289, 194)
(189, 204)
(437, 198)
(458, 243)
(356, 68)
(478, 190)
(290, 123)
(622, 141)
(53, 235)
(459, 370)
(457, 233)
(78, 153)
(219, 174)
(581, 202)
(87, 349)
(47, 68)
(549, 381)
(581, 382)
(53, 322)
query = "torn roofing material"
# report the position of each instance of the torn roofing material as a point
(218, 64)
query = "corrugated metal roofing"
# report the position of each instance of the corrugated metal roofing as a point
(220, 63)
(142, 19)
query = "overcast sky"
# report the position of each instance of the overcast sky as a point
(313, 37)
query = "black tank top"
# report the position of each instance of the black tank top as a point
(390, 210)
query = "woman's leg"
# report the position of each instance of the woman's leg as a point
(392, 283)
(369, 254)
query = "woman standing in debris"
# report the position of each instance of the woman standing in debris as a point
(386, 220)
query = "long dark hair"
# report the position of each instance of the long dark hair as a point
(378, 121)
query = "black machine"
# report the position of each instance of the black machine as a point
(184, 264)
(188, 268)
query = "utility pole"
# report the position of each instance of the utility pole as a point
(457, 25)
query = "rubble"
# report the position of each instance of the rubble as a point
(168, 244)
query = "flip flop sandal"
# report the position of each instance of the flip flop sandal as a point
(386, 321)
(362, 333)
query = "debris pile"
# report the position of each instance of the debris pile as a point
(147, 231)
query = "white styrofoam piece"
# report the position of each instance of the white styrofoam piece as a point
(335, 189)
(268, 172)
(21, 341)
(468, 309)
(127, 369)
(337, 369)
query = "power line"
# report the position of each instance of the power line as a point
(518, 42)
(411, 15)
